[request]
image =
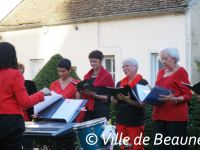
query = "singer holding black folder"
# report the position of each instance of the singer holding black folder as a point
(98, 104)
(171, 119)
(13, 98)
(130, 116)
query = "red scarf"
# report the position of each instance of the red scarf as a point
(125, 81)
(104, 79)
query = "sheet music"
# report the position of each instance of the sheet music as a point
(142, 91)
(67, 109)
(48, 101)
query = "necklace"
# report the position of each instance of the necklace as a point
(94, 74)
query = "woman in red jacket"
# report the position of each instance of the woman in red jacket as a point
(98, 104)
(13, 98)
(171, 119)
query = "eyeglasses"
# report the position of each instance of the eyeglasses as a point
(126, 66)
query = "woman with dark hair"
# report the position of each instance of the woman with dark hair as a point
(13, 97)
(64, 87)
(31, 89)
(98, 104)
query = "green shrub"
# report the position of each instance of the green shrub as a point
(149, 126)
(49, 73)
(193, 126)
(197, 64)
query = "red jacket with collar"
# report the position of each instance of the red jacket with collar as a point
(13, 94)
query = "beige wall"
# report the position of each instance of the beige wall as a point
(195, 40)
(127, 37)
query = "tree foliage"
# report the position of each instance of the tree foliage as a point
(49, 73)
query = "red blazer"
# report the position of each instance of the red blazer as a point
(13, 94)
(171, 111)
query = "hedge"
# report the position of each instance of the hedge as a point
(49, 73)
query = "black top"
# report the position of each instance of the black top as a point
(9, 123)
(100, 90)
(31, 89)
(130, 115)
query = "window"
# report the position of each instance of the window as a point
(109, 64)
(156, 65)
(74, 67)
(36, 66)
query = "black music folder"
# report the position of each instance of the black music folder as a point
(143, 94)
(123, 90)
(195, 88)
(85, 84)
(63, 110)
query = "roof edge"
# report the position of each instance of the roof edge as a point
(37, 25)
(12, 10)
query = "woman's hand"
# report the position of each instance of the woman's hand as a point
(169, 98)
(46, 91)
(79, 92)
(113, 100)
(150, 88)
(124, 98)
(92, 94)
(77, 89)
(197, 95)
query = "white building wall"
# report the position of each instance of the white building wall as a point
(195, 40)
(128, 37)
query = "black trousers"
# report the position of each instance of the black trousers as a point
(67, 145)
(174, 130)
(100, 111)
(28, 142)
(13, 141)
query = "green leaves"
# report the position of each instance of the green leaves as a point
(49, 73)
(198, 64)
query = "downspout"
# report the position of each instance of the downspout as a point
(188, 38)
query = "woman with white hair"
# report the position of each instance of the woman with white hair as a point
(171, 119)
(130, 116)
